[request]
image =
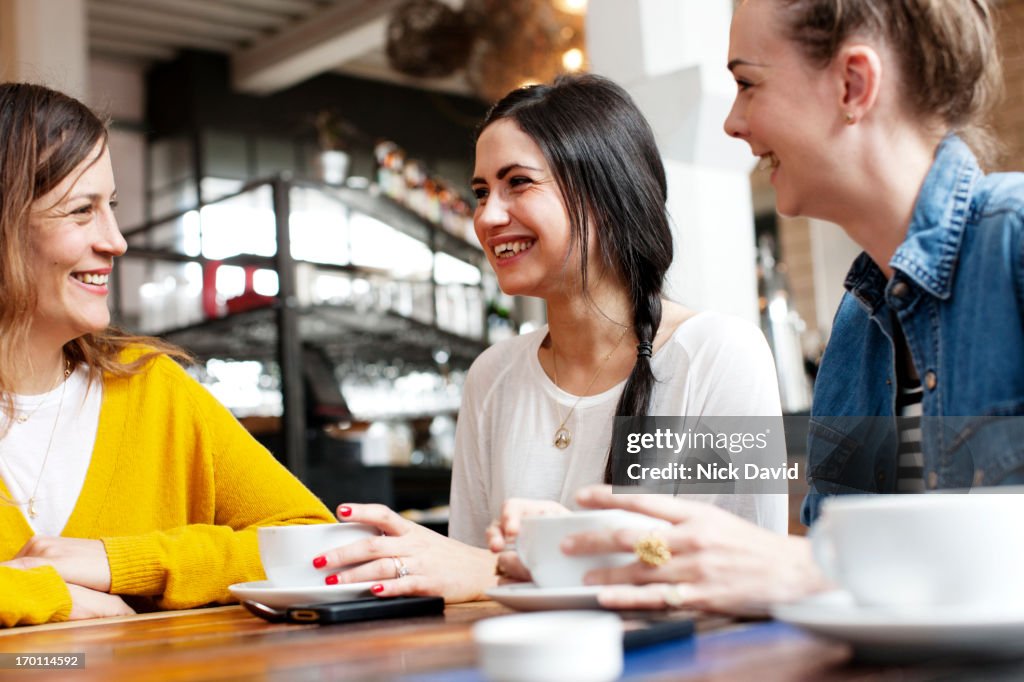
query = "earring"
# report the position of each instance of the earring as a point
(848, 117)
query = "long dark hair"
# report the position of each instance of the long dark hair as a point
(602, 153)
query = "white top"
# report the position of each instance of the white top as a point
(23, 449)
(713, 365)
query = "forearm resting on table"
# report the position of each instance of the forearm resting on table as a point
(32, 596)
(183, 567)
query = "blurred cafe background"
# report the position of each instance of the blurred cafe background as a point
(293, 185)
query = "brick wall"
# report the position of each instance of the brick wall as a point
(1009, 119)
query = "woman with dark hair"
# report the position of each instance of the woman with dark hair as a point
(870, 113)
(120, 476)
(571, 208)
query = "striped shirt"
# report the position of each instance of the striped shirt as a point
(910, 461)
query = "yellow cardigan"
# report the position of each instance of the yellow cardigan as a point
(175, 490)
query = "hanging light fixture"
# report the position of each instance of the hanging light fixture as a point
(577, 7)
(501, 44)
(428, 39)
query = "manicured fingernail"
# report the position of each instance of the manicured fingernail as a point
(344, 511)
(568, 544)
(377, 589)
(319, 562)
(331, 580)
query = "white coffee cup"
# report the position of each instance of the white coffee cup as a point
(540, 539)
(925, 551)
(287, 552)
(554, 646)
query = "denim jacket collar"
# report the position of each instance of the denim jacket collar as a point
(929, 253)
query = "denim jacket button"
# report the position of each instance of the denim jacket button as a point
(931, 380)
(900, 289)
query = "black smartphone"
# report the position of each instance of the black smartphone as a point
(646, 631)
(350, 611)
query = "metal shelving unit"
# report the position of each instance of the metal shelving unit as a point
(278, 330)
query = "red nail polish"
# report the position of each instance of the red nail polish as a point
(345, 511)
(319, 562)
(331, 580)
(377, 589)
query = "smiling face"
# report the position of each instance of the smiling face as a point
(788, 111)
(74, 241)
(520, 219)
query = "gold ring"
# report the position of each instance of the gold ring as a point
(652, 550)
(400, 569)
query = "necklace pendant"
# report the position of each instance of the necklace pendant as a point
(562, 438)
(32, 513)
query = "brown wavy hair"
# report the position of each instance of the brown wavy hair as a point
(947, 54)
(44, 136)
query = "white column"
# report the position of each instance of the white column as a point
(832, 254)
(44, 41)
(671, 56)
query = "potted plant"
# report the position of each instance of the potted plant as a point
(335, 135)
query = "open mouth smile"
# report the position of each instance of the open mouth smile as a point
(93, 280)
(507, 250)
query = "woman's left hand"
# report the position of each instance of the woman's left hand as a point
(435, 564)
(78, 561)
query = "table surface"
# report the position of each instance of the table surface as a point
(228, 643)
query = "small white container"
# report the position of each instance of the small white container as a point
(554, 646)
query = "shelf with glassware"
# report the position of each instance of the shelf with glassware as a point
(395, 303)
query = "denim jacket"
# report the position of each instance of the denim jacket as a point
(958, 293)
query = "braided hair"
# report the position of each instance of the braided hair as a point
(604, 158)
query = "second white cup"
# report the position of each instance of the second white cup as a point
(931, 550)
(540, 539)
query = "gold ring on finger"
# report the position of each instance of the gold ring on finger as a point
(400, 570)
(652, 550)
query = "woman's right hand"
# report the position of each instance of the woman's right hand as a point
(502, 534)
(433, 564)
(86, 603)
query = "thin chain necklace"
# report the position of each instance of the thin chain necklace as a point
(563, 436)
(25, 416)
(31, 501)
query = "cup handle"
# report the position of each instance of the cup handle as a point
(823, 549)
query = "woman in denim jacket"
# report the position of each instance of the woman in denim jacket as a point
(867, 112)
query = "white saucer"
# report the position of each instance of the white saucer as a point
(904, 634)
(283, 597)
(529, 597)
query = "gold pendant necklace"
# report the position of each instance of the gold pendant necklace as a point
(31, 502)
(563, 436)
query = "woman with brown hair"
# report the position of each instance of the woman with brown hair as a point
(870, 113)
(120, 476)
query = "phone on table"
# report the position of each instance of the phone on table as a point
(647, 629)
(349, 611)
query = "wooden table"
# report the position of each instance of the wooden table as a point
(228, 643)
